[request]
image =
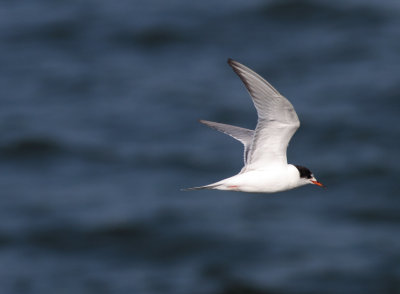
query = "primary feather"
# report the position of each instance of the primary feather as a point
(245, 136)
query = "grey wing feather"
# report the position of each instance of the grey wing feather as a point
(277, 119)
(245, 136)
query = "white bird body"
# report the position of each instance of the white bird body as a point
(265, 164)
(269, 180)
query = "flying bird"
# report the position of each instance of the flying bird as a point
(265, 169)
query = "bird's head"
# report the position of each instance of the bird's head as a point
(307, 177)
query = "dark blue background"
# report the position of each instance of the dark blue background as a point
(98, 117)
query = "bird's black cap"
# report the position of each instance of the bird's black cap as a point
(304, 172)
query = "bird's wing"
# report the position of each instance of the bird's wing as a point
(277, 120)
(245, 136)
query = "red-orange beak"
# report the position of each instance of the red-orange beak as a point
(318, 184)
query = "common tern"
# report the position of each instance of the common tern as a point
(265, 164)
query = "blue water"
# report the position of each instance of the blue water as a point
(98, 117)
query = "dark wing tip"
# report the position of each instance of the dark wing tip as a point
(232, 62)
(237, 68)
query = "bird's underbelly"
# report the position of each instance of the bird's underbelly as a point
(259, 181)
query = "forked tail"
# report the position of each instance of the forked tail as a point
(211, 186)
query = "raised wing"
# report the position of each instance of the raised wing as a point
(277, 120)
(245, 136)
